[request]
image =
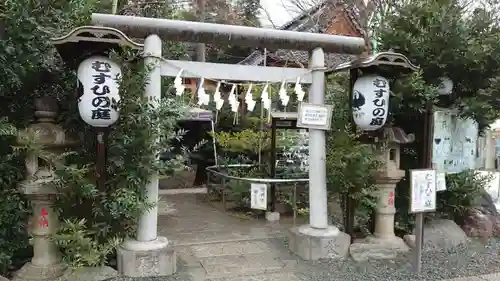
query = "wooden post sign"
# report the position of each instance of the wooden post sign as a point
(423, 185)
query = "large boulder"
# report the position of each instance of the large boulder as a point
(482, 220)
(439, 234)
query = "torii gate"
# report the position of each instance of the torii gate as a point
(150, 255)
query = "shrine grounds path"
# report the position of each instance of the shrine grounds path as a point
(213, 245)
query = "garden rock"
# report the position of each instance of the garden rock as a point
(440, 234)
(3, 278)
(373, 248)
(483, 219)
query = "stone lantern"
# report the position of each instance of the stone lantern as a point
(39, 188)
(384, 243)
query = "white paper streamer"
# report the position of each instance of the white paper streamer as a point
(219, 104)
(283, 94)
(179, 88)
(249, 99)
(251, 105)
(217, 95)
(203, 97)
(232, 97)
(235, 106)
(299, 91)
(266, 101)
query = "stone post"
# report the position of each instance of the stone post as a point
(384, 244)
(46, 262)
(318, 239)
(149, 255)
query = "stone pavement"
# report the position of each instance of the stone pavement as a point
(214, 246)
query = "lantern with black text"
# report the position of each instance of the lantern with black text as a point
(99, 78)
(370, 102)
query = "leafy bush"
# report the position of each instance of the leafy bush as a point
(462, 191)
(13, 207)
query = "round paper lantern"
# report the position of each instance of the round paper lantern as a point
(445, 86)
(98, 77)
(370, 102)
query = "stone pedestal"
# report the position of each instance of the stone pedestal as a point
(313, 244)
(145, 259)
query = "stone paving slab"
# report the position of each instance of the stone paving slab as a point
(227, 249)
(260, 277)
(227, 266)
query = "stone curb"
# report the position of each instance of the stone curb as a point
(488, 277)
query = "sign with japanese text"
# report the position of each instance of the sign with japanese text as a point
(370, 102)
(99, 78)
(423, 190)
(258, 198)
(454, 142)
(314, 116)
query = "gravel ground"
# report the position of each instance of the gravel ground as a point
(472, 260)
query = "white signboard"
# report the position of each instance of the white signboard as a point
(314, 116)
(455, 142)
(423, 190)
(441, 182)
(258, 198)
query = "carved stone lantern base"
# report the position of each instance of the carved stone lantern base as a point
(46, 262)
(31, 272)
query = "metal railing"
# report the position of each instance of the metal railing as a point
(216, 170)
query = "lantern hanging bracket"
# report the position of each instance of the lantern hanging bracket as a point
(85, 41)
(378, 60)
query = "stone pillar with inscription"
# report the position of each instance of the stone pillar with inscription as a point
(39, 189)
(384, 244)
(149, 255)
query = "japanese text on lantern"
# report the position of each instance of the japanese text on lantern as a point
(378, 113)
(390, 201)
(43, 221)
(101, 102)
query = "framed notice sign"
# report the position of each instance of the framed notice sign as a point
(314, 116)
(258, 198)
(423, 185)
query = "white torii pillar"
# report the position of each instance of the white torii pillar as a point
(149, 254)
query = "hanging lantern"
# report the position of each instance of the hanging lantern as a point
(370, 102)
(98, 77)
(445, 86)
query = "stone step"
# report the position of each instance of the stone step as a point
(233, 259)
(221, 235)
(259, 277)
(241, 266)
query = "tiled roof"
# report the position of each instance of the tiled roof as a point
(311, 21)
